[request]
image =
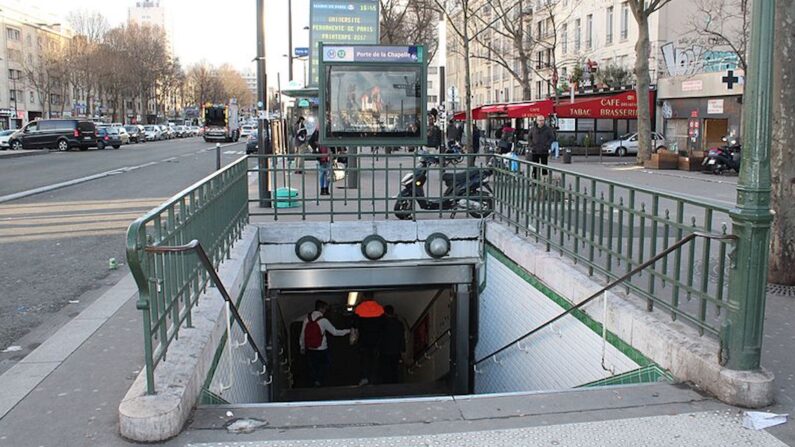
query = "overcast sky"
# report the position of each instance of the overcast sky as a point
(220, 31)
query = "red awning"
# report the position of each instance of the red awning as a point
(531, 109)
(622, 105)
(477, 114)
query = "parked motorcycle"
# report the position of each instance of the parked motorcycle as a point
(723, 158)
(467, 190)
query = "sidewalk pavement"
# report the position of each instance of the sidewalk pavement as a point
(67, 391)
(23, 153)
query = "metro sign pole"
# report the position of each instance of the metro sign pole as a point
(262, 107)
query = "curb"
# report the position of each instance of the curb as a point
(22, 153)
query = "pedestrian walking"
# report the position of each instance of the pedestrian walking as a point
(434, 134)
(475, 138)
(393, 345)
(369, 325)
(323, 162)
(555, 145)
(300, 144)
(540, 141)
(313, 341)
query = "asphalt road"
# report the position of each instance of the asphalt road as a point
(55, 246)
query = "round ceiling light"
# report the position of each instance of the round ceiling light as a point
(308, 248)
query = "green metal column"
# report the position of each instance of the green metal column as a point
(741, 337)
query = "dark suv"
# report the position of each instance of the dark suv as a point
(55, 134)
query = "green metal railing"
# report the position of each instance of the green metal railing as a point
(608, 226)
(214, 212)
(611, 227)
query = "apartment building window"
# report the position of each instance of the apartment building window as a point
(624, 20)
(29, 40)
(577, 35)
(430, 85)
(540, 31)
(432, 99)
(564, 38)
(15, 55)
(15, 95)
(609, 26)
(538, 89)
(539, 56)
(14, 74)
(433, 70)
(12, 34)
(32, 98)
(589, 31)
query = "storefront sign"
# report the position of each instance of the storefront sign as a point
(6, 112)
(348, 22)
(619, 106)
(715, 106)
(692, 86)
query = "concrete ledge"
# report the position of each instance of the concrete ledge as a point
(341, 240)
(179, 378)
(672, 345)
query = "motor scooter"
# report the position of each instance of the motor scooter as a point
(467, 190)
(723, 158)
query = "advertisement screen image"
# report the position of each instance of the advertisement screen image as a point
(374, 102)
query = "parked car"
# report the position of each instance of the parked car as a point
(125, 136)
(168, 133)
(135, 133)
(108, 136)
(61, 134)
(153, 133)
(246, 130)
(4, 137)
(628, 144)
(252, 143)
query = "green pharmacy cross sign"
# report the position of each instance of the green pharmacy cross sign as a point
(372, 95)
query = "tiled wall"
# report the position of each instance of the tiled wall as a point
(237, 370)
(565, 355)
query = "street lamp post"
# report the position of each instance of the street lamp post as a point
(742, 331)
(290, 38)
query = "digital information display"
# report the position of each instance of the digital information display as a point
(351, 22)
(373, 95)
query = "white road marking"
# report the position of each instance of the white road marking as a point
(48, 188)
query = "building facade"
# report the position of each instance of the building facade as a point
(152, 13)
(589, 45)
(26, 39)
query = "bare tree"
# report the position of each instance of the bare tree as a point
(410, 22)
(642, 10)
(722, 23)
(90, 28)
(460, 16)
(47, 73)
(235, 86)
(782, 243)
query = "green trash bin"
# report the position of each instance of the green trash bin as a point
(287, 198)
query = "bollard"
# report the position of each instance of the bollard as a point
(567, 156)
(217, 156)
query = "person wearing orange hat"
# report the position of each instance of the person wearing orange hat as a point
(369, 323)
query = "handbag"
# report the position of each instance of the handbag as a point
(337, 171)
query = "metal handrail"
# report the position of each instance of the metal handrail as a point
(427, 310)
(680, 243)
(431, 346)
(196, 247)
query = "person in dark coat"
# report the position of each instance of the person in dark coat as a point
(475, 138)
(393, 345)
(540, 141)
(370, 326)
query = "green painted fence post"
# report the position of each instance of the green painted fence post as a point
(741, 336)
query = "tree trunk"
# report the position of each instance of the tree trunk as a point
(642, 88)
(782, 235)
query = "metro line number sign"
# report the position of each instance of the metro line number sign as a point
(341, 22)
